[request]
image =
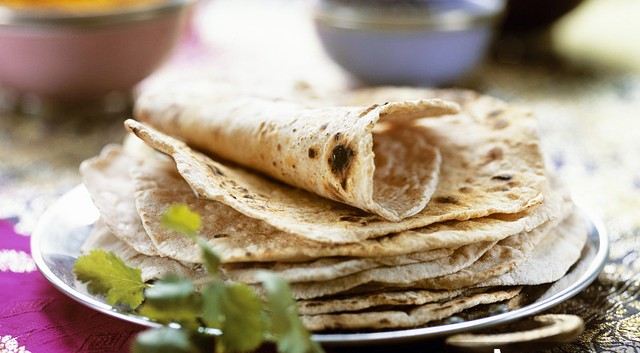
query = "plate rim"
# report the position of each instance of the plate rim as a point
(596, 266)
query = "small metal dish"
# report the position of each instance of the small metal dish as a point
(418, 42)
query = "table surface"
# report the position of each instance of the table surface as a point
(589, 120)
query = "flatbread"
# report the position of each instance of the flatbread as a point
(366, 301)
(238, 238)
(330, 151)
(494, 218)
(327, 268)
(487, 168)
(576, 271)
(152, 267)
(337, 276)
(551, 259)
(516, 261)
(455, 273)
(394, 319)
(103, 177)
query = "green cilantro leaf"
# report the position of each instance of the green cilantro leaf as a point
(106, 274)
(168, 340)
(179, 218)
(173, 300)
(209, 257)
(290, 334)
(237, 311)
(234, 309)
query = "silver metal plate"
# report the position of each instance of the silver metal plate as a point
(56, 241)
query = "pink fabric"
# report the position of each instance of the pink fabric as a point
(37, 316)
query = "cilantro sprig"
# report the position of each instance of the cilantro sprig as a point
(106, 274)
(244, 320)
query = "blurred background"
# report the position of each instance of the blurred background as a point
(575, 63)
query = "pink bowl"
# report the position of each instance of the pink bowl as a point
(79, 58)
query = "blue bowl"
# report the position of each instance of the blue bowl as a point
(425, 43)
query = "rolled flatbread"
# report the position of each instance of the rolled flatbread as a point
(331, 151)
(491, 163)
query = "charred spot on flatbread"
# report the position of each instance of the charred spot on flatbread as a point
(362, 220)
(448, 199)
(494, 154)
(340, 162)
(215, 170)
(505, 177)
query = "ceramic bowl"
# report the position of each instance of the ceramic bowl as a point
(78, 57)
(428, 42)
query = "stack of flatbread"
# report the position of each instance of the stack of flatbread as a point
(383, 208)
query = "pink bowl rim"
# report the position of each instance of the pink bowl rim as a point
(18, 18)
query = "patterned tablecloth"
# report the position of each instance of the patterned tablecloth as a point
(589, 120)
